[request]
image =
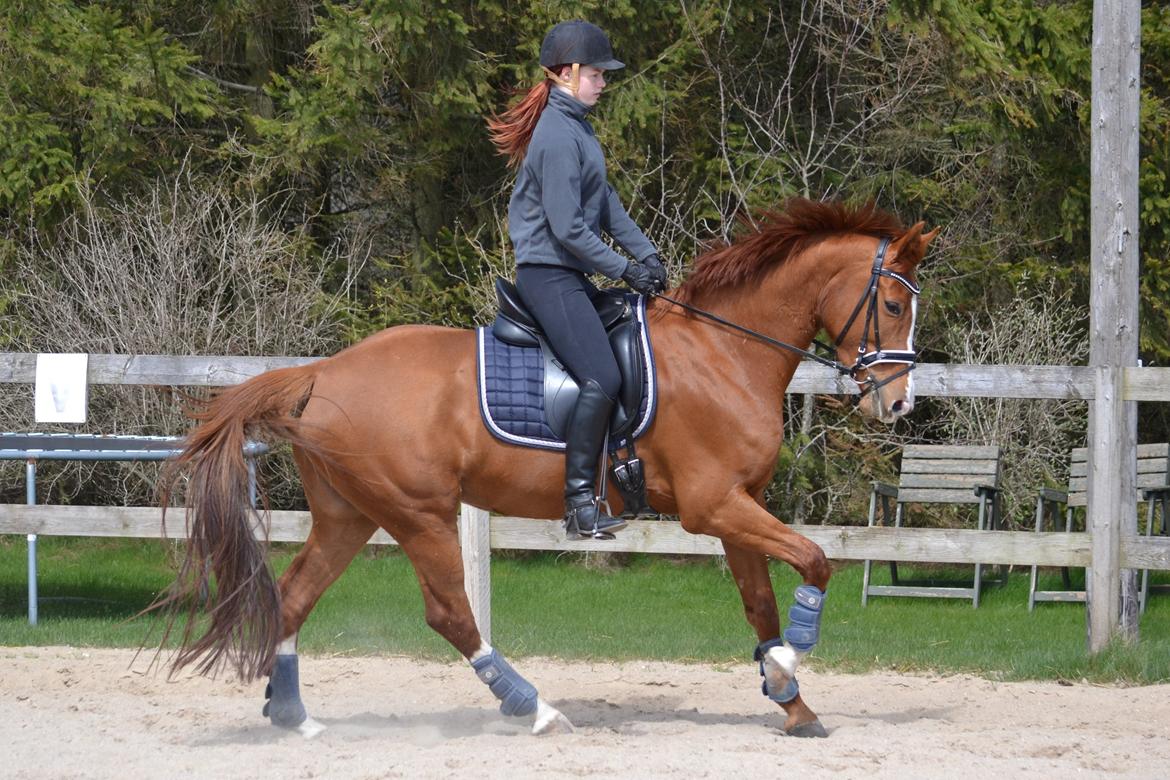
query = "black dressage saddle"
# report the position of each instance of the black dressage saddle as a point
(514, 325)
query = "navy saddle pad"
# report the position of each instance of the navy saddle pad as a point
(513, 382)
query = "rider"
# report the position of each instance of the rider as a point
(560, 205)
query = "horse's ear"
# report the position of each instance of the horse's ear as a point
(907, 252)
(925, 239)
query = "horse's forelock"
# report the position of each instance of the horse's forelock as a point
(774, 236)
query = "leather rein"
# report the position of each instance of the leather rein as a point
(865, 359)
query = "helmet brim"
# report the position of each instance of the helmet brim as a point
(608, 65)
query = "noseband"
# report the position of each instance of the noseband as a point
(865, 360)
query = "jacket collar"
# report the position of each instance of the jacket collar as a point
(567, 104)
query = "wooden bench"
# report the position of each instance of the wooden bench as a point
(1153, 487)
(937, 474)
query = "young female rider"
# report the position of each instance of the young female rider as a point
(559, 207)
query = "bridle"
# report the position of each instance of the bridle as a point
(865, 359)
(877, 355)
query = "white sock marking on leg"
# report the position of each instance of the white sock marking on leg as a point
(288, 646)
(780, 666)
(483, 652)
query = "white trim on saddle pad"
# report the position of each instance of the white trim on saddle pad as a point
(552, 444)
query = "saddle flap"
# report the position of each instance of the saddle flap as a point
(627, 348)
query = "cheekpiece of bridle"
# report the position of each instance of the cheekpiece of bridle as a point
(876, 356)
(865, 359)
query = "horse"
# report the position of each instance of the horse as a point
(387, 434)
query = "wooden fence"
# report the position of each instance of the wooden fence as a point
(480, 534)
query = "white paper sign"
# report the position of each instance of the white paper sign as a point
(61, 390)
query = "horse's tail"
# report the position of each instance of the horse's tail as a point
(225, 570)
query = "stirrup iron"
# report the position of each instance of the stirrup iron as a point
(573, 530)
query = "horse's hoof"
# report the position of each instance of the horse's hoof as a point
(812, 729)
(309, 728)
(549, 720)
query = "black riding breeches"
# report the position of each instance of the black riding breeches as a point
(561, 301)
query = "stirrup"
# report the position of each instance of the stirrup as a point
(597, 529)
(578, 536)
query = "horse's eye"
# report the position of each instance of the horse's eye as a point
(894, 308)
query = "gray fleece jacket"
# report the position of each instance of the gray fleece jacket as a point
(562, 200)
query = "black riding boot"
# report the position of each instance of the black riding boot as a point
(583, 440)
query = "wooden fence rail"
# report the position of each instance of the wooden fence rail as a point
(840, 542)
(930, 379)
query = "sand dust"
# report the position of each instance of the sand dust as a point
(67, 712)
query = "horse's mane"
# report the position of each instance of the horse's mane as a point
(780, 234)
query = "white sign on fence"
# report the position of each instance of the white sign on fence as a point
(61, 391)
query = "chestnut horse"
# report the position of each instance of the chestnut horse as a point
(387, 434)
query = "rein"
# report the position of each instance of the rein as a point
(864, 359)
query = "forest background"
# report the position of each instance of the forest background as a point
(253, 177)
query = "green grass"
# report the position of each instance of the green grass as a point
(648, 608)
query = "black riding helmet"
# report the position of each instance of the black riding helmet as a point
(578, 42)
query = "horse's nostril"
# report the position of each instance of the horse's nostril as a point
(901, 407)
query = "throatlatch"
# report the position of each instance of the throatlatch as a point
(517, 696)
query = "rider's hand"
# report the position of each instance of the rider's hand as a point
(640, 278)
(657, 271)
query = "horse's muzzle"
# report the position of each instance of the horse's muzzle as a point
(901, 407)
(888, 403)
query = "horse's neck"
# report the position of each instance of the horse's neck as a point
(782, 306)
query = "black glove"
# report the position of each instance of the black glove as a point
(657, 271)
(640, 278)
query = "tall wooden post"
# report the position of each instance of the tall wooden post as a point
(1113, 301)
(475, 539)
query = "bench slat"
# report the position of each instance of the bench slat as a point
(922, 591)
(929, 496)
(1144, 481)
(1144, 466)
(937, 451)
(950, 466)
(1159, 450)
(946, 481)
